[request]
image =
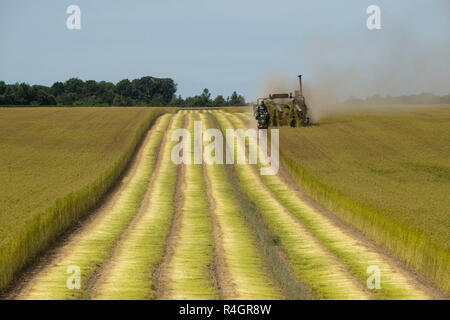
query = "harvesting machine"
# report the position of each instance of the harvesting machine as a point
(287, 108)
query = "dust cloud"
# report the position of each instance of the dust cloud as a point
(385, 63)
(404, 68)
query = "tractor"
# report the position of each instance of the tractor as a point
(285, 108)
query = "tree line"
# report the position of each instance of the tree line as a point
(205, 100)
(145, 91)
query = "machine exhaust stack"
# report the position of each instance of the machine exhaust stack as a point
(284, 104)
(300, 82)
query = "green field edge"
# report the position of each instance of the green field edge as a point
(44, 228)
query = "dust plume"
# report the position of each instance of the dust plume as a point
(275, 82)
(388, 62)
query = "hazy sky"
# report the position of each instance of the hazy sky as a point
(223, 45)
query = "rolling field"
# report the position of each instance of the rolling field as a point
(182, 155)
(56, 163)
(212, 231)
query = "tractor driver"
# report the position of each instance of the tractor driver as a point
(262, 109)
(262, 115)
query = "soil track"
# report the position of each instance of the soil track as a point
(135, 245)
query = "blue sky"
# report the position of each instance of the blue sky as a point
(225, 45)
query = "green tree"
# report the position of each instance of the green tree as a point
(236, 100)
(219, 101)
(205, 98)
(74, 85)
(195, 101)
(2, 87)
(45, 99)
(177, 101)
(124, 88)
(167, 89)
(157, 100)
(23, 94)
(143, 91)
(66, 99)
(118, 101)
(57, 88)
(91, 88)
